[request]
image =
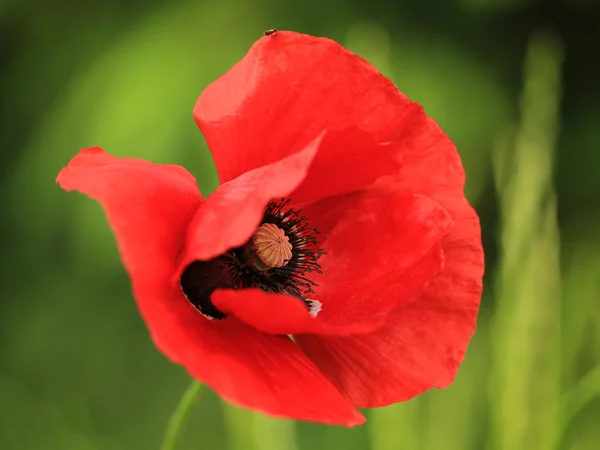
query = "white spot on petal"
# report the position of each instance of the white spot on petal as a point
(314, 306)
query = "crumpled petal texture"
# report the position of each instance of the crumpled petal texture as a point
(301, 117)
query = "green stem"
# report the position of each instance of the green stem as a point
(178, 416)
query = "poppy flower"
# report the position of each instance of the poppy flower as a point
(337, 266)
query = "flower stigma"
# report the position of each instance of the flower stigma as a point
(278, 258)
(269, 247)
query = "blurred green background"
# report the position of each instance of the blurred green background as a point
(514, 83)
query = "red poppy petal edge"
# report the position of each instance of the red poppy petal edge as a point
(148, 206)
(270, 313)
(231, 214)
(259, 371)
(421, 345)
(294, 86)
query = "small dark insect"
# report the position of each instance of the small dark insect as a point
(270, 32)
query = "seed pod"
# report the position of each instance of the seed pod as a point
(271, 245)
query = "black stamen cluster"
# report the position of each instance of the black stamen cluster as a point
(234, 270)
(290, 278)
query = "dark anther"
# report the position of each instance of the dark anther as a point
(270, 32)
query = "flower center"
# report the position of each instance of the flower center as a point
(278, 258)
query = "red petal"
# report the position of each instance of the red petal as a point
(379, 256)
(231, 214)
(263, 372)
(423, 343)
(149, 207)
(270, 313)
(347, 161)
(288, 89)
